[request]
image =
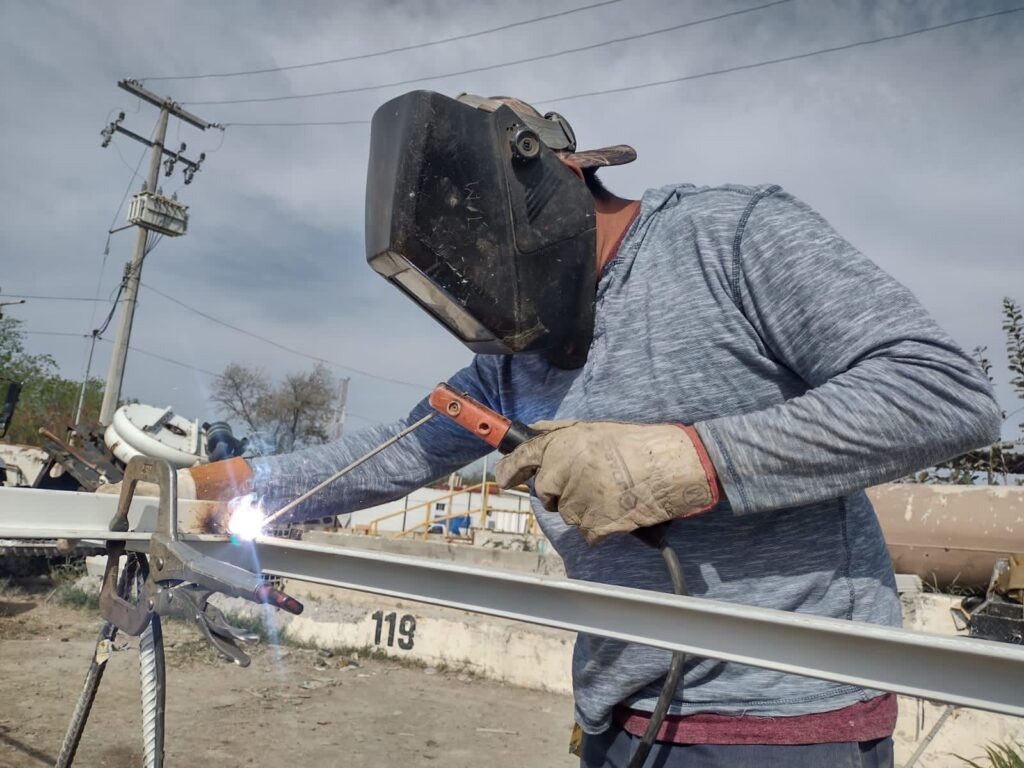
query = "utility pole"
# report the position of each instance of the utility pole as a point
(339, 422)
(150, 211)
(22, 301)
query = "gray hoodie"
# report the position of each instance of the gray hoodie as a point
(809, 373)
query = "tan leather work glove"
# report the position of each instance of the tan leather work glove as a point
(609, 477)
(217, 481)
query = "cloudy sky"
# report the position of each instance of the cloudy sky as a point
(911, 147)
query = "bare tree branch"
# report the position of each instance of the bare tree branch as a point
(296, 413)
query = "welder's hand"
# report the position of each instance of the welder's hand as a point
(610, 477)
(217, 481)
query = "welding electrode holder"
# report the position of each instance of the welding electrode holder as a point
(181, 579)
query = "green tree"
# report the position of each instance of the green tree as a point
(47, 398)
(1003, 461)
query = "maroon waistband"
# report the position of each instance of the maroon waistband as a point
(864, 721)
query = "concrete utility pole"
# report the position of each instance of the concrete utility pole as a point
(148, 220)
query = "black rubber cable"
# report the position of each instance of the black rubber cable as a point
(675, 669)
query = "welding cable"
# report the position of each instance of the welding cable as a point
(675, 669)
(93, 677)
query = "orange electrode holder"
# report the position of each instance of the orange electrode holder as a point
(506, 435)
(490, 426)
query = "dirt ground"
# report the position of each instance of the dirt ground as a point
(292, 706)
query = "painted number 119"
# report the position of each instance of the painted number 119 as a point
(406, 627)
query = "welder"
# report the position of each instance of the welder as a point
(714, 358)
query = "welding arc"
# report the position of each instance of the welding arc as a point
(342, 472)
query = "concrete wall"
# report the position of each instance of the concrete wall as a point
(509, 651)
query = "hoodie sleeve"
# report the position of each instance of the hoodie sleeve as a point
(434, 450)
(888, 391)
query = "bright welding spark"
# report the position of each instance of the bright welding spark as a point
(245, 517)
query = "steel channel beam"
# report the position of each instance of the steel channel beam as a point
(972, 673)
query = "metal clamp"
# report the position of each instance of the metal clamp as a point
(181, 579)
(190, 602)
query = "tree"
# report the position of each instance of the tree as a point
(295, 413)
(1003, 461)
(47, 398)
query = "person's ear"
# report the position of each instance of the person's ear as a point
(573, 167)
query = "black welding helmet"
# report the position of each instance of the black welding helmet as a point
(470, 211)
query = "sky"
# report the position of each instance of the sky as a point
(911, 148)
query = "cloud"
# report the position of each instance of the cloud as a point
(911, 148)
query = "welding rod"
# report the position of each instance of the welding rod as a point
(341, 472)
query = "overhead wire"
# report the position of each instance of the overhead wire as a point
(135, 171)
(147, 353)
(697, 75)
(128, 187)
(56, 333)
(172, 361)
(298, 124)
(106, 248)
(279, 345)
(52, 298)
(781, 59)
(385, 52)
(490, 67)
(133, 349)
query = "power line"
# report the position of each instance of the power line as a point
(113, 220)
(133, 349)
(56, 333)
(361, 56)
(489, 67)
(290, 125)
(125, 163)
(172, 361)
(715, 72)
(52, 298)
(128, 187)
(780, 60)
(273, 343)
(167, 359)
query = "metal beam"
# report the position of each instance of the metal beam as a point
(972, 673)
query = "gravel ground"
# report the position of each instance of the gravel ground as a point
(292, 706)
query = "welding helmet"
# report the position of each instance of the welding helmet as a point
(472, 214)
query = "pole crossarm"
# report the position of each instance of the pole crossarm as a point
(135, 88)
(966, 672)
(164, 150)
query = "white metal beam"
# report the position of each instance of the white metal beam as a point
(972, 673)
